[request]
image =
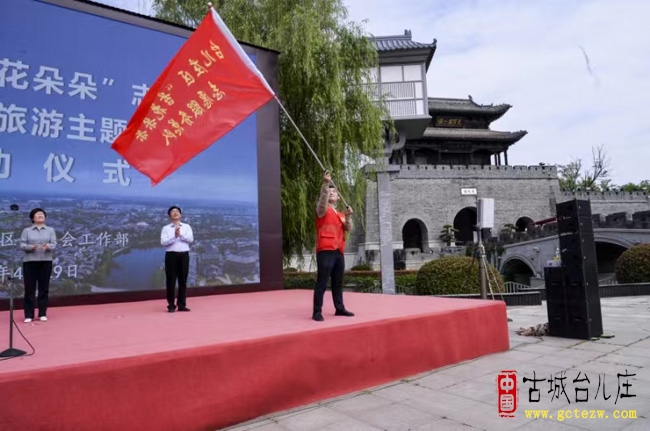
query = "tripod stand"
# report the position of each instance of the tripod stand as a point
(485, 277)
(11, 352)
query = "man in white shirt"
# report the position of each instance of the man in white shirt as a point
(176, 237)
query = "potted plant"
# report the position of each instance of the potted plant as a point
(448, 235)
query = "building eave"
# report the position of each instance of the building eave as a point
(444, 133)
(394, 47)
(466, 106)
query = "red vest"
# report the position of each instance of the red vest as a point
(331, 235)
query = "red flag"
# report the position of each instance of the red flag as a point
(208, 88)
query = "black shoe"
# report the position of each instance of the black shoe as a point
(317, 317)
(183, 308)
(171, 309)
(343, 313)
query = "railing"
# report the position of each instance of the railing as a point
(609, 281)
(397, 97)
(396, 90)
(401, 90)
(513, 287)
(402, 108)
(412, 254)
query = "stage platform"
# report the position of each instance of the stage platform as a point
(133, 366)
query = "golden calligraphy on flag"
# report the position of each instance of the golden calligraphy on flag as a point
(207, 89)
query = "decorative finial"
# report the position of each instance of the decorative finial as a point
(210, 5)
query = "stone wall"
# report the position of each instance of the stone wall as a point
(610, 202)
(432, 195)
(308, 263)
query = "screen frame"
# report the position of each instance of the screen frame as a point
(268, 173)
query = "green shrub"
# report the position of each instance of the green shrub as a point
(406, 283)
(357, 281)
(633, 266)
(361, 267)
(453, 275)
(299, 280)
(361, 283)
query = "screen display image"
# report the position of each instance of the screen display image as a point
(69, 83)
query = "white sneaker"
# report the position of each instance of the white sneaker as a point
(43, 319)
(28, 320)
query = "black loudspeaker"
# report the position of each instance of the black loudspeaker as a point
(572, 296)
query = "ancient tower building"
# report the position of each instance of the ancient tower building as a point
(447, 153)
(445, 157)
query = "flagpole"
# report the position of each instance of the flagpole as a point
(308, 146)
(245, 58)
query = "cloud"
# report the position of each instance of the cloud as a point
(532, 55)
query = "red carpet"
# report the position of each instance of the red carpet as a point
(134, 366)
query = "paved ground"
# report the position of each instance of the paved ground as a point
(463, 396)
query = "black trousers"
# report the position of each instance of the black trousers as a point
(331, 265)
(36, 273)
(177, 266)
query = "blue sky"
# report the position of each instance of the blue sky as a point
(529, 55)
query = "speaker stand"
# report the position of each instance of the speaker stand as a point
(11, 352)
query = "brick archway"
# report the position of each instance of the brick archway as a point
(465, 222)
(415, 235)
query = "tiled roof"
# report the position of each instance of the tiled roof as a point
(402, 43)
(473, 134)
(394, 43)
(440, 105)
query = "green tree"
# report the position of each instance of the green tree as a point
(324, 61)
(508, 229)
(643, 186)
(572, 177)
(448, 234)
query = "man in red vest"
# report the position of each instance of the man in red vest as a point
(331, 226)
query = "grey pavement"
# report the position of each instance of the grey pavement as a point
(464, 396)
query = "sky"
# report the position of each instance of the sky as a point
(575, 71)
